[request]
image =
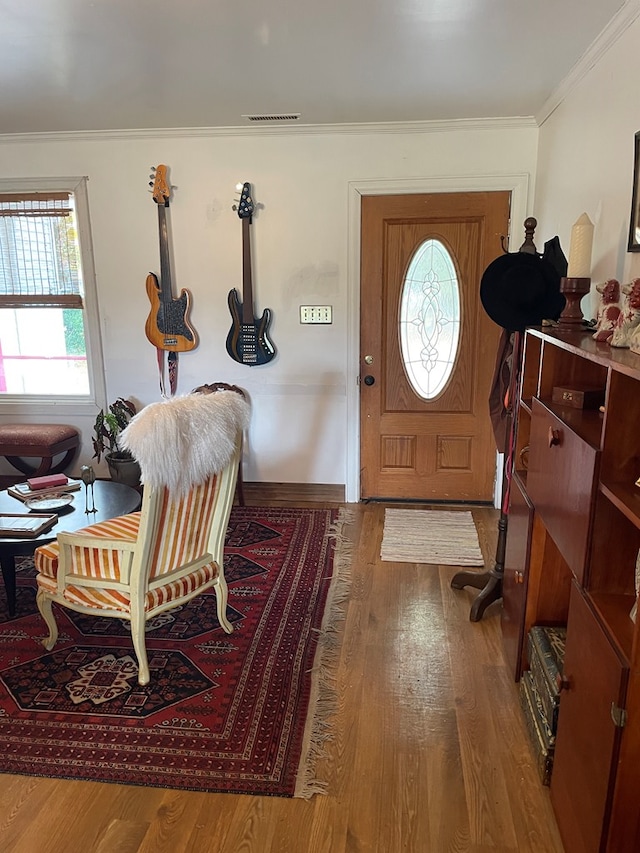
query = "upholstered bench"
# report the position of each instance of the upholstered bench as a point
(38, 441)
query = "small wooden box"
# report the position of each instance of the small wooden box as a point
(579, 397)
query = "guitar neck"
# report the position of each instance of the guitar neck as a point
(247, 283)
(165, 268)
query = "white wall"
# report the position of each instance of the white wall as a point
(585, 162)
(300, 239)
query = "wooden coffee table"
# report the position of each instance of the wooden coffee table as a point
(111, 500)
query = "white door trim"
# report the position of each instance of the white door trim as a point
(518, 184)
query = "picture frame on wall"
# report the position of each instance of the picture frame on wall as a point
(634, 225)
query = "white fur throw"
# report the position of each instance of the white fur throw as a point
(183, 441)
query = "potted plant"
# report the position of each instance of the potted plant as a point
(106, 431)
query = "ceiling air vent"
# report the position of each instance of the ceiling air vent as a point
(274, 117)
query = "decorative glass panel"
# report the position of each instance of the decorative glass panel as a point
(430, 319)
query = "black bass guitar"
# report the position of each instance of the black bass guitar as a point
(167, 326)
(248, 340)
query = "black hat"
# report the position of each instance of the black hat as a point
(521, 289)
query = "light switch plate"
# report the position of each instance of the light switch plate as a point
(316, 314)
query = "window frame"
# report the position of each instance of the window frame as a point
(67, 405)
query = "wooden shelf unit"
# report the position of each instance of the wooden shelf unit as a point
(572, 545)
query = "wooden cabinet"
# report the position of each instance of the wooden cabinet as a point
(574, 537)
(588, 738)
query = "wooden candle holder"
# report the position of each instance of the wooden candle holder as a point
(573, 289)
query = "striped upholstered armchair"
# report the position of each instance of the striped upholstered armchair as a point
(142, 564)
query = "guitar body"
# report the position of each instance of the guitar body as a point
(167, 326)
(248, 342)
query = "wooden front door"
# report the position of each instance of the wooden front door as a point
(412, 445)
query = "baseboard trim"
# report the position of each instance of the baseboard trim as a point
(307, 492)
(258, 492)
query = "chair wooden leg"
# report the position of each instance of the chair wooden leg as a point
(45, 466)
(240, 485)
(140, 648)
(46, 611)
(222, 594)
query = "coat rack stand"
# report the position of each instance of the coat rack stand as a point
(490, 583)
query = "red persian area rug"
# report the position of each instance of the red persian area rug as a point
(246, 712)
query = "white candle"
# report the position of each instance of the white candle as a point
(580, 248)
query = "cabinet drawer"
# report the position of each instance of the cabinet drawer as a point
(561, 484)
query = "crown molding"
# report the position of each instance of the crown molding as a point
(466, 125)
(616, 27)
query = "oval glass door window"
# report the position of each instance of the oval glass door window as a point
(430, 319)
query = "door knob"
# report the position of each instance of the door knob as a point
(369, 380)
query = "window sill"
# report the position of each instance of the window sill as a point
(53, 406)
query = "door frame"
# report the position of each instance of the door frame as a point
(518, 184)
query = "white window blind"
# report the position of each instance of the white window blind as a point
(39, 255)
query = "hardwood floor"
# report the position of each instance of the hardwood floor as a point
(430, 753)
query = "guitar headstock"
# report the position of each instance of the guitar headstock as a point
(245, 206)
(160, 188)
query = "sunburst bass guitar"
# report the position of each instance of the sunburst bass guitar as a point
(248, 339)
(167, 326)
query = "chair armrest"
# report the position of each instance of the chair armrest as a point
(70, 566)
(103, 543)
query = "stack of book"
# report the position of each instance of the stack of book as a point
(53, 484)
(540, 693)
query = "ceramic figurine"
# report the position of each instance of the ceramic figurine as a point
(626, 332)
(608, 310)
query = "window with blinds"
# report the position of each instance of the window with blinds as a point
(49, 327)
(39, 251)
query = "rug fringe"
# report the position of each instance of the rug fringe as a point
(323, 703)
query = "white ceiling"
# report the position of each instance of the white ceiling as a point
(74, 65)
